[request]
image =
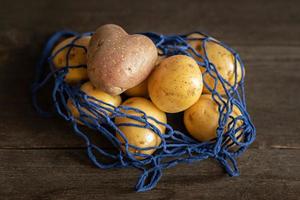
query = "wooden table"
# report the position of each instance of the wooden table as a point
(43, 159)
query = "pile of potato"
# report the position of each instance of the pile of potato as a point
(123, 66)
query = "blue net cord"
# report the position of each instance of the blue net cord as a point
(176, 147)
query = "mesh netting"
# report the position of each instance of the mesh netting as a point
(176, 146)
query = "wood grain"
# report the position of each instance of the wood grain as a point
(252, 22)
(44, 159)
(67, 174)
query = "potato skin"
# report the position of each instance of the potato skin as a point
(118, 61)
(223, 61)
(90, 90)
(104, 33)
(141, 137)
(77, 56)
(176, 84)
(201, 119)
(141, 90)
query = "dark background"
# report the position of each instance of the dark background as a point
(43, 159)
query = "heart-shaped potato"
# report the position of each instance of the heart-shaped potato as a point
(118, 61)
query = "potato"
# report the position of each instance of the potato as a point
(196, 44)
(222, 59)
(77, 56)
(74, 111)
(141, 90)
(90, 90)
(201, 120)
(176, 84)
(118, 61)
(141, 137)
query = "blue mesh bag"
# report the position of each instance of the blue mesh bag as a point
(176, 146)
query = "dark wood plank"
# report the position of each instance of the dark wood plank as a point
(251, 22)
(67, 174)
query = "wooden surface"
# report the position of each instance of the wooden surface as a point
(43, 159)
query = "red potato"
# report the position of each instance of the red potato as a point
(118, 61)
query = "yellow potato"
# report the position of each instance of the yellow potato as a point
(201, 120)
(74, 111)
(141, 137)
(176, 84)
(77, 56)
(196, 44)
(90, 90)
(222, 59)
(141, 90)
